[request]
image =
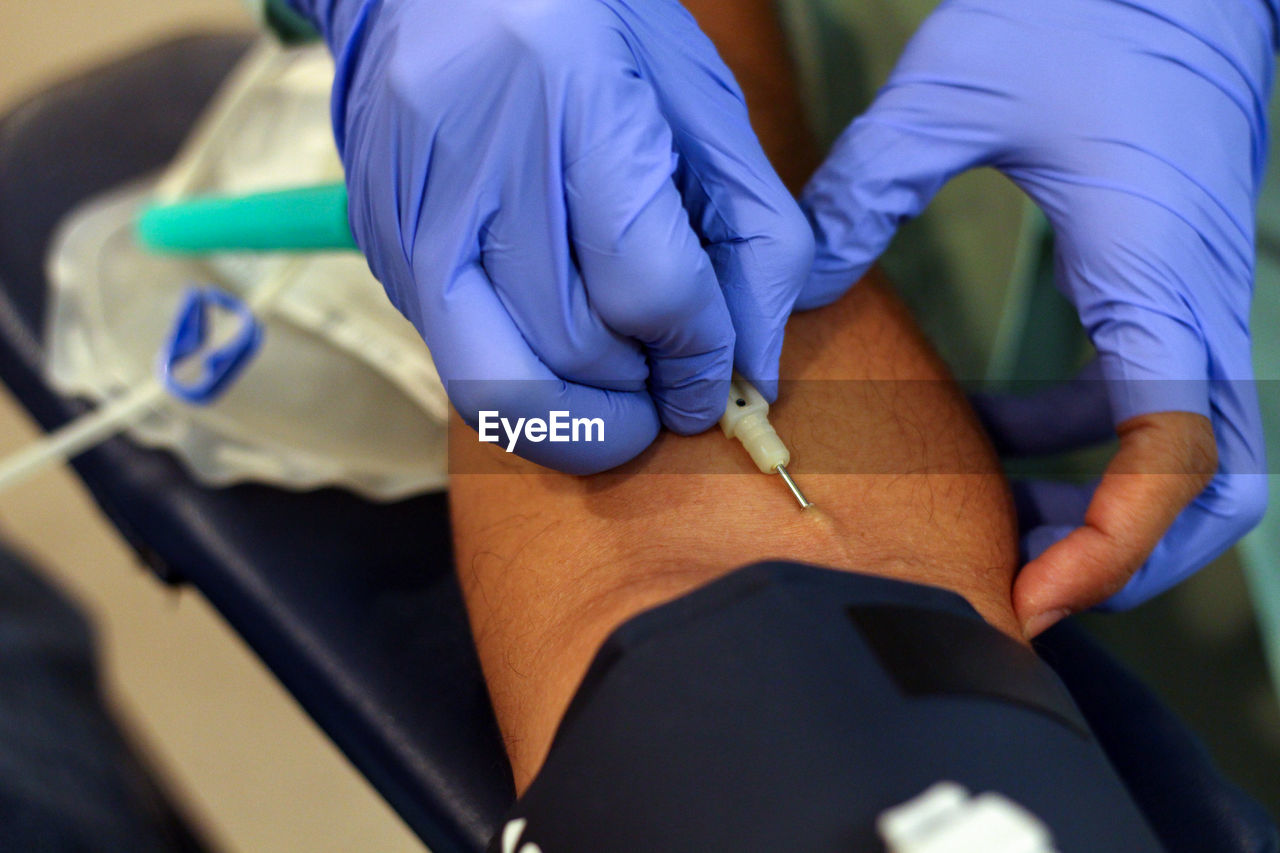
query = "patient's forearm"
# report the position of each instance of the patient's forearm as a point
(881, 440)
(550, 564)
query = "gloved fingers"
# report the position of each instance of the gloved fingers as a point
(759, 242)
(1165, 460)
(1162, 280)
(556, 107)
(1150, 288)
(762, 250)
(526, 253)
(942, 112)
(496, 372)
(644, 268)
(885, 168)
(1071, 414)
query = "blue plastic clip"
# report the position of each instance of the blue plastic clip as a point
(221, 366)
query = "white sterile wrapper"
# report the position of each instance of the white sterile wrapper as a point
(343, 391)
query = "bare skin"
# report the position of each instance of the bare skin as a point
(1165, 459)
(550, 564)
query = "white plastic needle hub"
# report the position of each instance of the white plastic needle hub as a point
(746, 418)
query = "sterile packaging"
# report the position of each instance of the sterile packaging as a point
(343, 391)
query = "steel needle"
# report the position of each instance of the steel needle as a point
(805, 503)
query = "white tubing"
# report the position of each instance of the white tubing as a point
(117, 415)
(80, 435)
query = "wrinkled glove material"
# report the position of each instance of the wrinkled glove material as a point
(1139, 127)
(567, 200)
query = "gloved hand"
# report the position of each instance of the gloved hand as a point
(566, 199)
(1139, 127)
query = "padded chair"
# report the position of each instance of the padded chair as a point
(353, 605)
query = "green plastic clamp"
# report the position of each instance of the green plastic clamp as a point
(303, 219)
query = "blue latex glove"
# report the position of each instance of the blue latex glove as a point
(1139, 127)
(566, 199)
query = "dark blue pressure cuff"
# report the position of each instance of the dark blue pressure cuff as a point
(786, 707)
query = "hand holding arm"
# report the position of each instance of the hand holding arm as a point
(1140, 128)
